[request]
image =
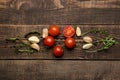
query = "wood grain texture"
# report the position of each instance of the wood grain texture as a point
(27, 15)
(50, 12)
(6, 52)
(59, 70)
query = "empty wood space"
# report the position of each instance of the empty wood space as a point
(72, 12)
(60, 70)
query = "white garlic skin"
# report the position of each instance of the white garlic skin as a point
(78, 31)
(87, 46)
(87, 39)
(35, 46)
(44, 32)
(34, 39)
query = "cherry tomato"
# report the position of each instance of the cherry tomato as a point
(49, 41)
(70, 43)
(58, 51)
(69, 31)
(54, 30)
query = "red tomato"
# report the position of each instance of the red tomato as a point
(69, 31)
(49, 41)
(54, 30)
(58, 51)
(70, 43)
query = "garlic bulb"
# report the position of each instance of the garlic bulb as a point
(78, 31)
(34, 39)
(87, 39)
(35, 46)
(44, 32)
(87, 46)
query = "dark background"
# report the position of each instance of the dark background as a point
(18, 17)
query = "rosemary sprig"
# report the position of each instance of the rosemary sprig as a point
(95, 31)
(18, 46)
(24, 48)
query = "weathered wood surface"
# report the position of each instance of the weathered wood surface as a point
(19, 30)
(59, 70)
(64, 12)
(16, 19)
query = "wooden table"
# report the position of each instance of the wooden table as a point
(18, 18)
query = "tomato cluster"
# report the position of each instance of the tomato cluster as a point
(68, 33)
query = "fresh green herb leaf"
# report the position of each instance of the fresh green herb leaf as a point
(108, 42)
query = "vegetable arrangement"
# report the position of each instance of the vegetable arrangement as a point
(31, 41)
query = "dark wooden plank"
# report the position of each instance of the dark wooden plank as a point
(7, 31)
(46, 12)
(59, 70)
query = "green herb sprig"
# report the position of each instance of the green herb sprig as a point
(108, 42)
(100, 31)
(26, 51)
(12, 39)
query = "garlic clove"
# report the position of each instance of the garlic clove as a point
(34, 39)
(87, 39)
(87, 46)
(78, 31)
(44, 32)
(35, 46)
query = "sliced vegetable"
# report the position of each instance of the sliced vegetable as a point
(69, 31)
